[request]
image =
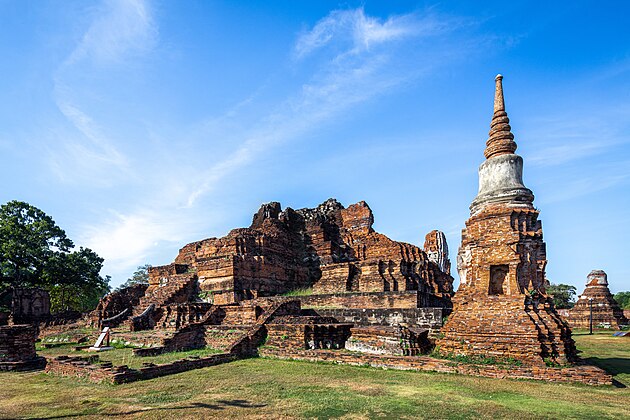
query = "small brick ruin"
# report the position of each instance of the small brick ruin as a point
(17, 348)
(501, 311)
(596, 295)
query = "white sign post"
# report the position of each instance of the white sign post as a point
(104, 337)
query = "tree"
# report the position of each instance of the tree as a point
(563, 295)
(140, 276)
(28, 239)
(74, 281)
(35, 252)
(623, 299)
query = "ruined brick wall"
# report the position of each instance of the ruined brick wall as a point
(589, 375)
(116, 302)
(17, 348)
(29, 306)
(300, 332)
(430, 318)
(397, 341)
(241, 315)
(369, 261)
(179, 315)
(88, 368)
(408, 299)
(166, 289)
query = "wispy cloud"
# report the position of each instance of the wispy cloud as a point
(573, 137)
(120, 29)
(365, 59)
(359, 31)
(126, 241)
(354, 73)
(582, 186)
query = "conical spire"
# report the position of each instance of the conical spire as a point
(501, 139)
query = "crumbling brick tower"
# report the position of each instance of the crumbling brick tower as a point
(501, 310)
(605, 309)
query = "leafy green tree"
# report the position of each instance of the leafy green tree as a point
(563, 295)
(28, 239)
(35, 252)
(74, 281)
(623, 299)
(140, 276)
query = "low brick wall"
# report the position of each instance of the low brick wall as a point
(586, 374)
(430, 318)
(89, 368)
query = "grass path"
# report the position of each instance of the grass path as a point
(266, 388)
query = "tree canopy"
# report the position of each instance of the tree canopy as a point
(623, 299)
(35, 252)
(563, 295)
(140, 276)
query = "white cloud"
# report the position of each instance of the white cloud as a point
(579, 187)
(361, 31)
(355, 74)
(127, 240)
(119, 30)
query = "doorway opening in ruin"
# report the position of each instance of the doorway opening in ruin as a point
(498, 274)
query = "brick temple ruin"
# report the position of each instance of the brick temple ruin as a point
(359, 282)
(501, 310)
(320, 284)
(606, 311)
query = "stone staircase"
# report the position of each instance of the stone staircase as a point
(554, 335)
(165, 295)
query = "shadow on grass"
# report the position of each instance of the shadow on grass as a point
(220, 405)
(612, 365)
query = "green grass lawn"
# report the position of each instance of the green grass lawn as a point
(608, 352)
(267, 388)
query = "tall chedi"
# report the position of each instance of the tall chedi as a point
(501, 310)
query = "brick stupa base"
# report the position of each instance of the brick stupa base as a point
(17, 348)
(504, 328)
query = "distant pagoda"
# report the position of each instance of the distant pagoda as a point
(606, 311)
(501, 310)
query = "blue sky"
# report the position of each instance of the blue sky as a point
(140, 126)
